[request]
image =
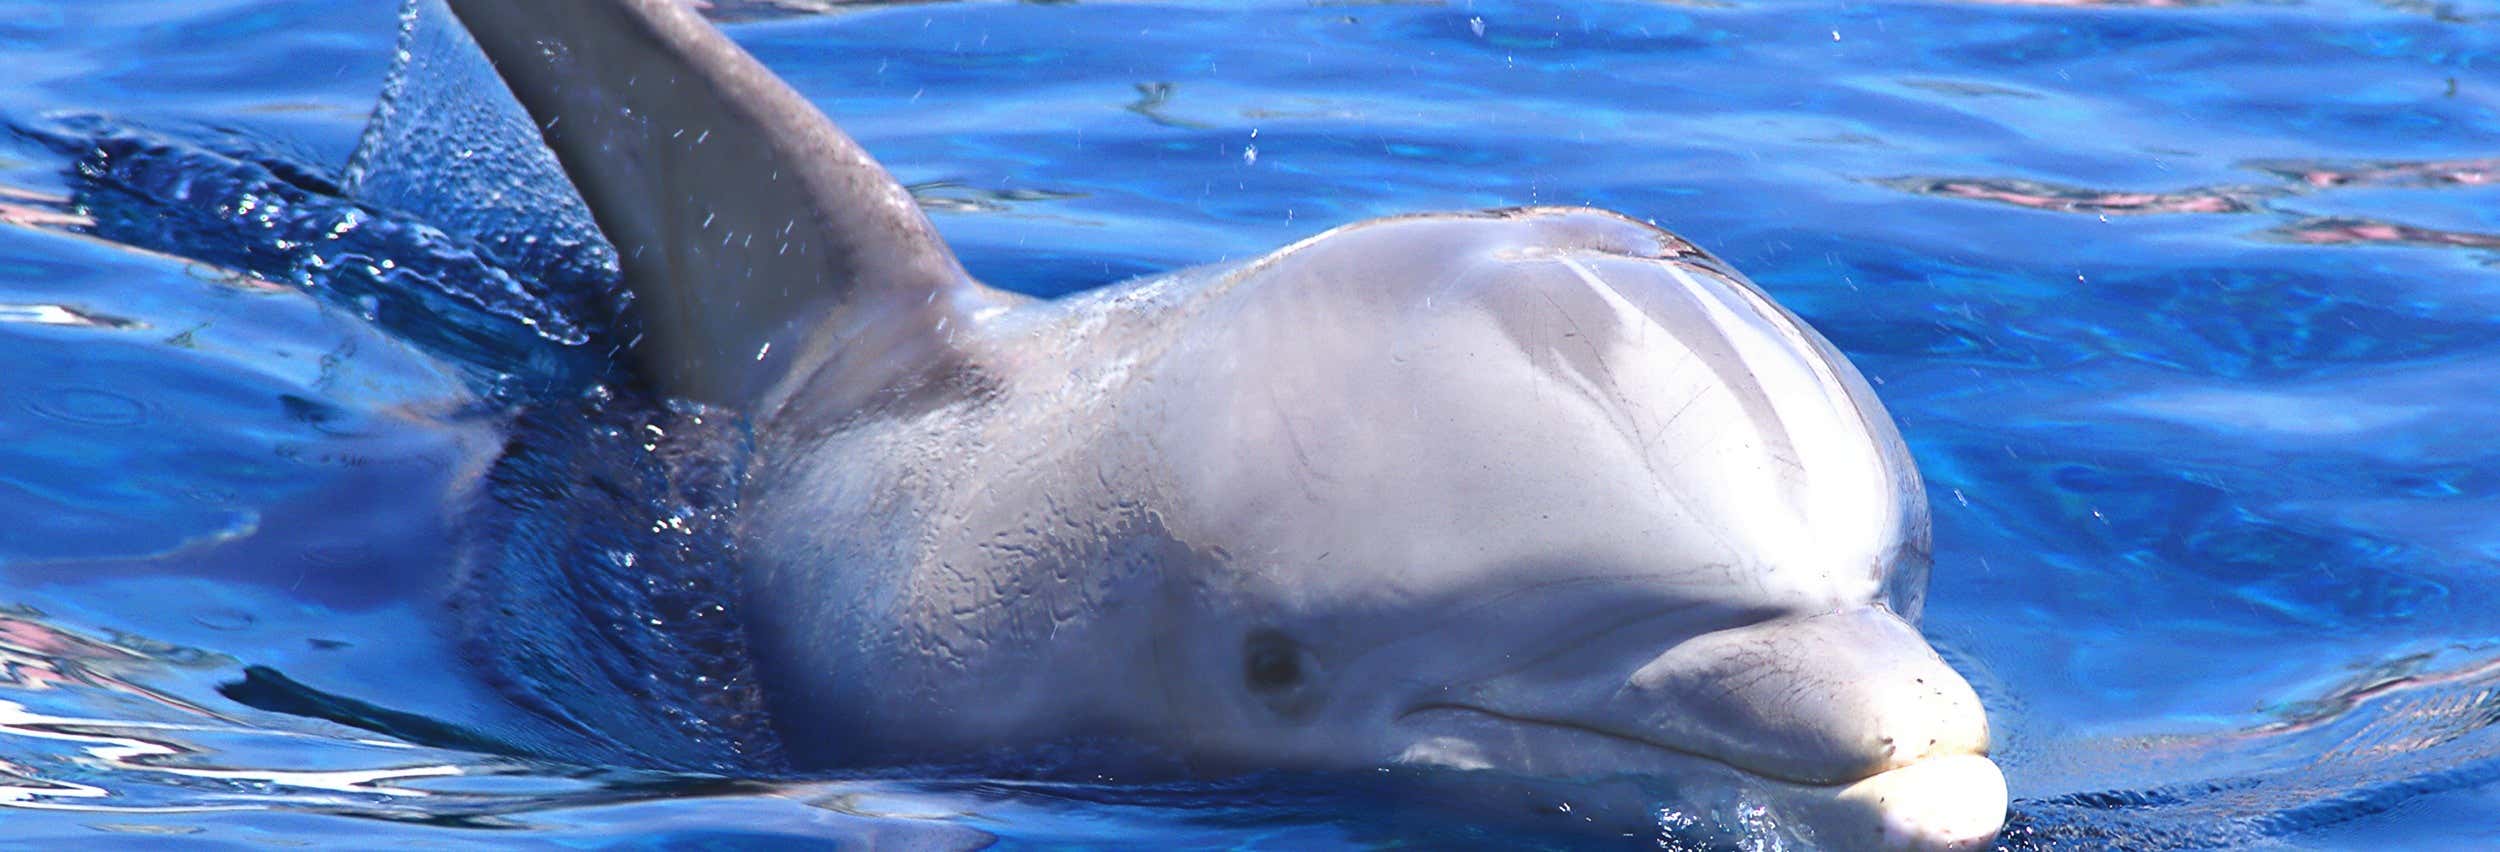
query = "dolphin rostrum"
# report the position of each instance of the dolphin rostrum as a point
(1538, 493)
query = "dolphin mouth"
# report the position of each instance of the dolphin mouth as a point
(1941, 801)
(1585, 729)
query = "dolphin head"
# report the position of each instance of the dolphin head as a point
(1551, 493)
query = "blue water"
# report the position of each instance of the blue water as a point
(2190, 313)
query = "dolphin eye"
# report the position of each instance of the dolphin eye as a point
(1272, 662)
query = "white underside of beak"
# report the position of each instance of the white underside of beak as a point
(1948, 802)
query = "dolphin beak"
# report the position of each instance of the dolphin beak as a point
(1821, 699)
(1846, 723)
(1850, 715)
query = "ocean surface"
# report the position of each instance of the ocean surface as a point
(2189, 310)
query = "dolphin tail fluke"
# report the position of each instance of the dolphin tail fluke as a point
(765, 251)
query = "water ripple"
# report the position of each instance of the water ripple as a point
(2409, 173)
(2346, 230)
(2102, 4)
(766, 10)
(86, 406)
(2037, 195)
(956, 197)
(2300, 178)
(2392, 731)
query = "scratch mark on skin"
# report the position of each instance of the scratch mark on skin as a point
(1642, 325)
(1630, 417)
(1698, 394)
(1301, 456)
(1596, 352)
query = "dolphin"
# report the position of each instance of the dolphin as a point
(1534, 493)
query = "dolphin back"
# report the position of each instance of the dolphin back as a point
(759, 243)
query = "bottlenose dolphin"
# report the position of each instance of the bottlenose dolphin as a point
(1540, 493)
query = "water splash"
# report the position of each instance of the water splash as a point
(598, 594)
(446, 146)
(256, 212)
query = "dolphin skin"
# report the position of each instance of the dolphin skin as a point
(1515, 496)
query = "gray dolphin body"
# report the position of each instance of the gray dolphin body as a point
(1548, 493)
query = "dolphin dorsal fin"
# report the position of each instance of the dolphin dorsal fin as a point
(761, 244)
